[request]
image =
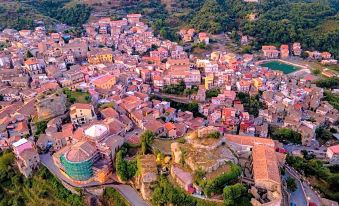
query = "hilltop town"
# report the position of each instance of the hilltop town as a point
(122, 108)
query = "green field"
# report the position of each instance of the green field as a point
(77, 96)
(276, 65)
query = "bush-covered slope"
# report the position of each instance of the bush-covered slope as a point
(22, 14)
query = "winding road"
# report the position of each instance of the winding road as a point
(309, 194)
(127, 191)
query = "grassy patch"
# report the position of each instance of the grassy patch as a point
(164, 146)
(81, 97)
(112, 197)
(77, 96)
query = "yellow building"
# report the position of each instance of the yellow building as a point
(257, 83)
(209, 81)
(105, 82)
(102, 174)
(81, 113)
(99, 56)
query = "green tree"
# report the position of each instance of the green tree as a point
(316, 71)
(217, 184)
(235, 195)
(328, 83)
(88, 98)
(199, 177)
(112, 197)
(291, 184)
(72, 99)
(286, 135)
(332, 98)
(147, 139)
(166, 194)
(41, 126)
(6, 159)
(211, 17)
(29, 54)
(323, 134)
(252, 104)
(125, 169)
(212, 93)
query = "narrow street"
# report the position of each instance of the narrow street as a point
(309, 194)
(297, 197)
(130, 194)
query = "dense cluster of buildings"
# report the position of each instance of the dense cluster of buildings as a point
(121, 63)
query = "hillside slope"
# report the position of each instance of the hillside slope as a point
(25, 14)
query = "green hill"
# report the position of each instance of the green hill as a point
(22, 14)
(42, 189)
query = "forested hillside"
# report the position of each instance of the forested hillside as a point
(41, 189)
(22, 14)
(315, 23)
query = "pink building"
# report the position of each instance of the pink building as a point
(270, 51)
(20, 146)
(27, 158)
(284, 51)
(184, 179)
(296, 47)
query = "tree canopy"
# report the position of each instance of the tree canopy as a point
(327, 181)
(286, 135)
(216, 185)
(211, 17)
(212, 93)
(291, 184)
(165, 194)
(252, 104)
(23, 14)
(112, 197)
(125, 169)
(236, 195)
(147, 139)
(41, 188)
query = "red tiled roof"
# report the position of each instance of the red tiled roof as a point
(81, 151)
(103, 79)
(265, 164)
(31, 61)
(249, 140)
(169, 126)
(334, 149)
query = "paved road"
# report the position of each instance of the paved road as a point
(298, 197)
(130, 194)
(309, 194)
(290, 148)
(312, 196)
